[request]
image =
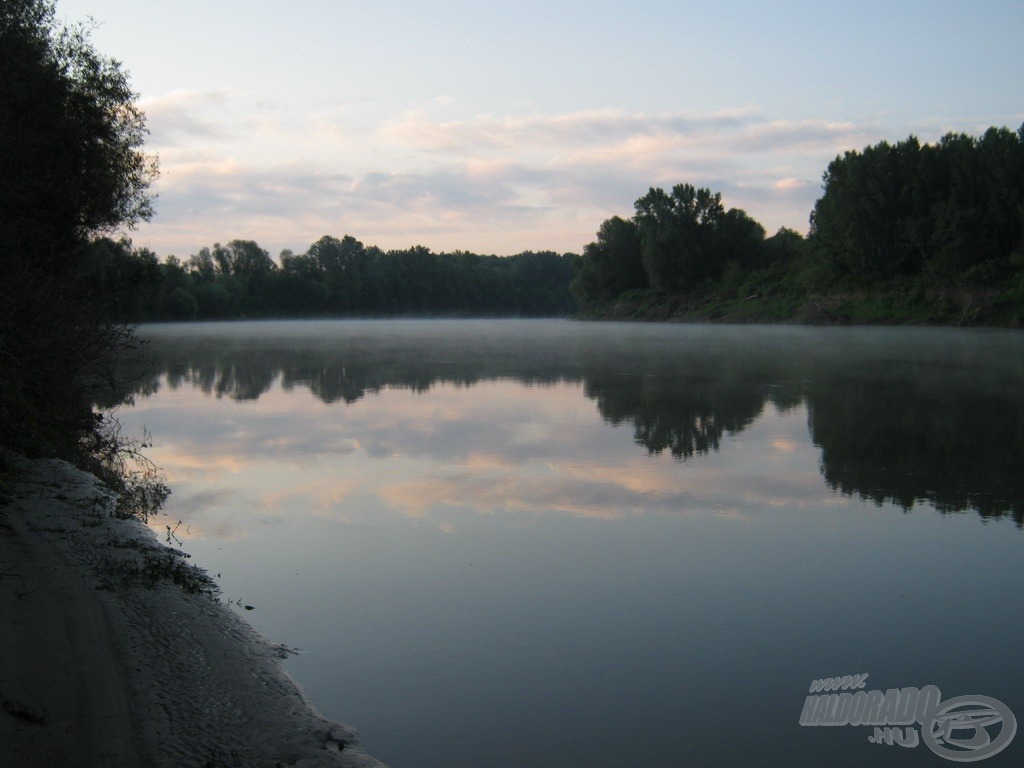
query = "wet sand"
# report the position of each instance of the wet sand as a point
(104, 661)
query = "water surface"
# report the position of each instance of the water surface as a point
(545, 543)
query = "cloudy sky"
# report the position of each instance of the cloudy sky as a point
(497, 127)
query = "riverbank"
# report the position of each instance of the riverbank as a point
(115, 651)
(778, 303)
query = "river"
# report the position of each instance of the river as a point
(551, 543)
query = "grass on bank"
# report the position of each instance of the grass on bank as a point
(778, 295)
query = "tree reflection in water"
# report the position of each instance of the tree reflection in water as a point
(900, 416)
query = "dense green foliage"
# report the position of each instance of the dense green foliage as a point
(333, 277)
(948, 211)
(71, 169)
(676, 242)
(902, 233)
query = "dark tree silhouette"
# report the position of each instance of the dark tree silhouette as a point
(72, 167)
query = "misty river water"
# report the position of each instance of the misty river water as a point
(549, 543)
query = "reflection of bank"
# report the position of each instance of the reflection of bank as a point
(899, 417)
(907, 434)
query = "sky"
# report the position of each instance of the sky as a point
(500, 127)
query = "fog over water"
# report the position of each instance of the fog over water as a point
(555, 543)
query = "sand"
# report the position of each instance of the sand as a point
(104, 661)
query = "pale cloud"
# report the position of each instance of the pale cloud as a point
(495, 485)
(166, 527)
(278, 499)
(179, 465)
(611, 136)
(180, 116)
(520, 493)
(648, 477)
(782, 488)
(785, 445)
(736, 515)
(785, 185)
(234, 167)
(532, 133)
(802, 135)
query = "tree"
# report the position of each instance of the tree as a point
(129, 279)
(539, 282)
(678, 242)
(248, 261)
(202, 265)
(72, 167)
(343, 262)
(675, 234)
(611, 265)
(176, 299)
(783, 248)
(738, 239)
(952, 211)
(980, 219)
(868, 223)
(72, 135)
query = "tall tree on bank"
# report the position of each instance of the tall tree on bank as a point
(72, 167)
(951, 212)
(675, 243)
(611, 265)
(677, 233)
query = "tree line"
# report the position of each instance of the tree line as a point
(917, 221)
(334, 277)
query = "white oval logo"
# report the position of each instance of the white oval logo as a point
(969, 728)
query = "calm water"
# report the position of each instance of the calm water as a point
(543, 543)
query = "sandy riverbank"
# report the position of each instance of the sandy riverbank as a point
(104, 661)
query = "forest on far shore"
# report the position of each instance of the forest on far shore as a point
(903, 233)
(333, 278)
